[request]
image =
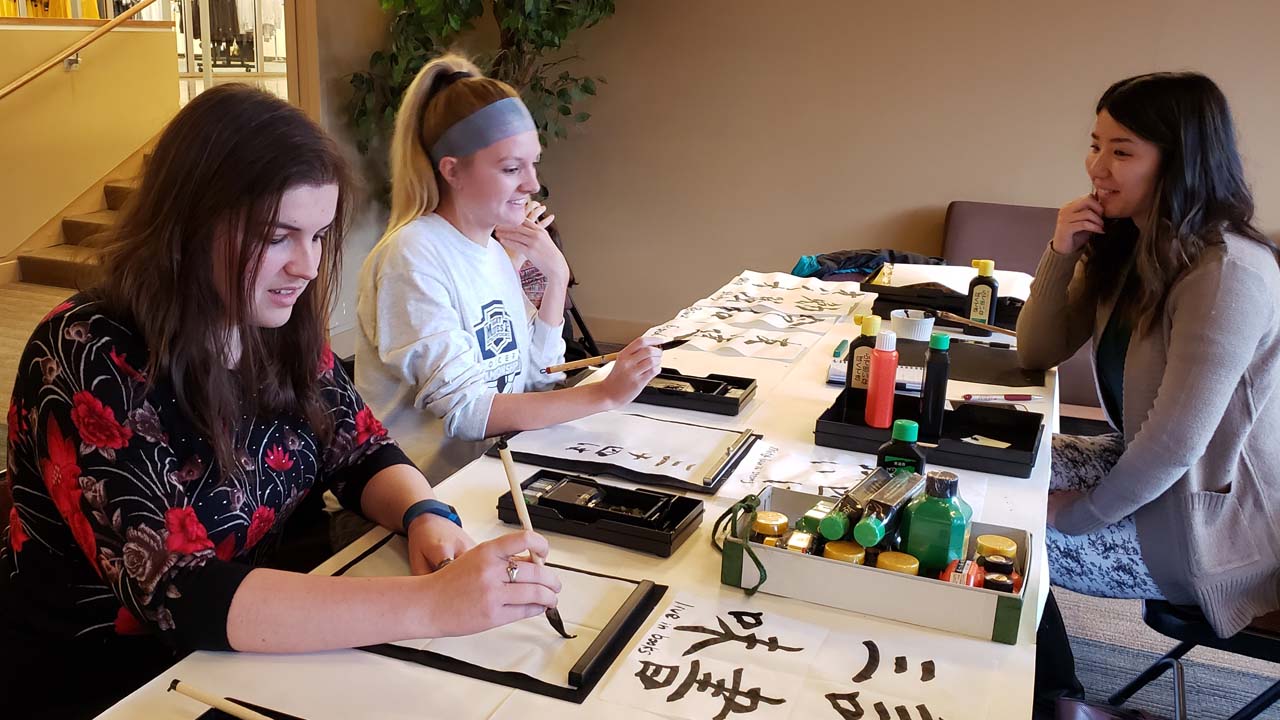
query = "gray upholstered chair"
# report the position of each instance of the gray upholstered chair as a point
(1015, 237)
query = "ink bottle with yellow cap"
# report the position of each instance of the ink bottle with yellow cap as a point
(859, 354)
(983, 293)
(769, 524)
(898, 562)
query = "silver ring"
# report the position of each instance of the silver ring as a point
(512, 571)
(444, 562)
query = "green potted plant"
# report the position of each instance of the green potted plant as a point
(530, 35)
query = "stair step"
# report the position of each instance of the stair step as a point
(78, 228)
(66, 266)
(24, 305)
(118, 192)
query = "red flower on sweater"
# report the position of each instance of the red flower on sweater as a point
(278, 459)
(97, 423)
(17, 536)
(368, 427)
(61, 475)
(125, 367)
(264, 518)
(58, 309)
(226, 547)
(186, 534)
(17, 419)
(326, 362)
(127, 624)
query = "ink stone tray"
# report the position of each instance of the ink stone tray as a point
(719, 394)
(679, 516)
(976, 612)
(1021, 429)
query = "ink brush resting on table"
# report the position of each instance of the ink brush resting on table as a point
(522, 510)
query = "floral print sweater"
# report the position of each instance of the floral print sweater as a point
(122, 523)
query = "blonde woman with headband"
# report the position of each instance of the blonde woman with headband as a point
(449, 346)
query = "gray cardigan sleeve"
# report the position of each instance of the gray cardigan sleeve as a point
(1216, 323)
(1058, 316)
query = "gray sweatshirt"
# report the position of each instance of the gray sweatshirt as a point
(443, 327)
(1201, 466)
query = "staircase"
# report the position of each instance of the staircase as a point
(49, 275)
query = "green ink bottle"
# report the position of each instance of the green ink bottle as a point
(938, 523)
(901, 453)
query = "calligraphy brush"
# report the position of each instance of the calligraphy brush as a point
(517, 499)
(602, 359)
(233, 708)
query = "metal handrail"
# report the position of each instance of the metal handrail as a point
(75, 47)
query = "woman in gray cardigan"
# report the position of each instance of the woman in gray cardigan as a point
(1163, 269)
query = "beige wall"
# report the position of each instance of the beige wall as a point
(346, 34)
(743, 133)
(64, 131)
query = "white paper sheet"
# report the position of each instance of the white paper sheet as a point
(783, 292)
(703, 659)
(635, 442)
(728, 339)
(832, 676)
(757, 320)
(529, 646)
(1012, 283)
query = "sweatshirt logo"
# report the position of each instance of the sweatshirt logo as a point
(496, 336)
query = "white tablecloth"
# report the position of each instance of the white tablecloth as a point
(351, 683)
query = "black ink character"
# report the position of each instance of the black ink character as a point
(812, 304)
(780, 342)
(582, 447)
(726, 634)
(747, 620)
(735, 698)
(640, 455)
(846, 705)
(873, 662)
(714, 334)
(608, 450)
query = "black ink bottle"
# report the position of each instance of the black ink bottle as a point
(983, 291)
(933, 396)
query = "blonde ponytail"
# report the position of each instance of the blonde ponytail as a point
(421, 120)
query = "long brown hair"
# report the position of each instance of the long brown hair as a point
(211, 194)
(1200, 192)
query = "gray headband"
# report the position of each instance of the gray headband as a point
(494, 122)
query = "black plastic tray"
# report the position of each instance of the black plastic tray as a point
(683, 519)
(706, 399)
(1021, 429)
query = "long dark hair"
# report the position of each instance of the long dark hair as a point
(219, 170)
(1200, 191)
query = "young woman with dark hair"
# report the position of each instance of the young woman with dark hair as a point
(166, 422)
(1163, 269)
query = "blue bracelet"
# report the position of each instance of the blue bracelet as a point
(432, 507)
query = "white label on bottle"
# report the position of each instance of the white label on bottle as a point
(860, 366)
(980, 308)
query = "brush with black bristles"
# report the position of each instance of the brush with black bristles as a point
(522, 510)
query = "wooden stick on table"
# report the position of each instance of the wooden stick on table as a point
(213, 701)
(974, 323)
(602, 359)
(522, 510)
